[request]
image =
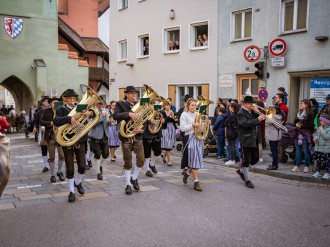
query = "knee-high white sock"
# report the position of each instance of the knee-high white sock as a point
(128, 177)
(136, 172)
(246, 173)
(79, 177)
(146, 164)
(70, 185)
(52, 168)
(89, 155)
(97, 165)
(45, 159)
(59, 165)
(153, 160)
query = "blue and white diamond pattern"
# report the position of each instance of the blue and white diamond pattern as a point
(18, 27)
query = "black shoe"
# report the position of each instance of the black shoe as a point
(149, 174)
(45, 169)
(101, 169)
(89, 163)
(87, 168)
(80, 188)
(115, 156)
(153, 169)
(269, 168)
(52, 179)
(249, 184)
(135, 184)
(128, 190)
(99, 176)
(60, 176)
(185, 177)
(237, 160)
(71, 197)
(240, 174)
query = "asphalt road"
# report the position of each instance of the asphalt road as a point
(224, 214)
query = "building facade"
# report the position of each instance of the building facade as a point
(161, 44)
(304, 25)
(31, 62)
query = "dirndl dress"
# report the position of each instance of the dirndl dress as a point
(169, 137)
(193, 151)
(113, 139)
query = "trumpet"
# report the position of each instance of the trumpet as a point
(270, 112)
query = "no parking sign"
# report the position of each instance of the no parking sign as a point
(262, 94)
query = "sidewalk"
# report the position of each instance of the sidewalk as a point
(284, 170)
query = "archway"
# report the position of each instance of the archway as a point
(21, 92)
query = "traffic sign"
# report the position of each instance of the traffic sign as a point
(263, 94)
(277, 47)
(252, 53)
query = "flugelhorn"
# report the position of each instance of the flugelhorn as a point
(270, 112)
(203, 119)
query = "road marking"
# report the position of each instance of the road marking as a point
(29, 186)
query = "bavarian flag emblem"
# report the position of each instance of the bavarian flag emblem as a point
(13, 26)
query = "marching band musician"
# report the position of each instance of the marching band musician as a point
(38, 128)
(99, 136)
(49, 136)
(169, 133)
(192, 159)
(151, 142)
(114, 142)
(123, 112)
(78, 149)
(247, 134)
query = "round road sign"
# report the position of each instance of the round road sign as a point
(277, 47)
(263, 94)
(252, 53)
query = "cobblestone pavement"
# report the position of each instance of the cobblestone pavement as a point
(28, 185)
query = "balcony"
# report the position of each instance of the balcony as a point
(99, 74)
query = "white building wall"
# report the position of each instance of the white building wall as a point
(304, 53)
(104, 27)
(159, 69)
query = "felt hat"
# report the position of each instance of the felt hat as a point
(327, 97)
(69, 92)
(249, 99)
(130, 89)
(52, 99)
(45, 98)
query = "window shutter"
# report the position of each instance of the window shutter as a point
(171, 93)
(205, 93)
(121, 93)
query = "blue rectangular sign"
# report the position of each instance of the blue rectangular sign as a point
(320, 87)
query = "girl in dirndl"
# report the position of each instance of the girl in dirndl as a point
(168, 132)
(113, 140)
(192, 159)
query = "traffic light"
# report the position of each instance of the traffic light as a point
(260, 70)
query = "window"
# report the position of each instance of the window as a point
(246, 82)
(143, 46)
(122, 4)
(242, 25)
(294, 16)
(171, 40)
(199, 35)
(122, 50)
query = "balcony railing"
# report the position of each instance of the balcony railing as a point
(98, 74)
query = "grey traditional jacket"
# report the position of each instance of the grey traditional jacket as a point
(101, 128)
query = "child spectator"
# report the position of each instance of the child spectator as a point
(199, 41)
(285, 94)
(322, 147)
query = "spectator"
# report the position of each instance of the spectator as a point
(146, 47)
(314, 106)
(279, 101)
(177, 45)
(3, 125)
(303, 138)
(219, 131)
(219, 102)
(232, 132)
(199, 41)
(261, 130)
(170, 45)
(173, 108)
(322, 147)
(205, 41)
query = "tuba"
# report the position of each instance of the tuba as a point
(68, 135)
(201, 118)
(145, 112)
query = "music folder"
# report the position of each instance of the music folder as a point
(144, 101)
(58, 104)
(81, 107)
(202, 109)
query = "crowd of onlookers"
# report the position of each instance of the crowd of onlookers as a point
(11, 121)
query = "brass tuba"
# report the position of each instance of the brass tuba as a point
(201, 118)
(145, 112)
(68, 135)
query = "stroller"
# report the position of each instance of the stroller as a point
(287, 148)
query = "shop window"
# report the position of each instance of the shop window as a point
(199, 35)
(242, 25)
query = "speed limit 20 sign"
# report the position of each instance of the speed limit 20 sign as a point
(252, 53)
